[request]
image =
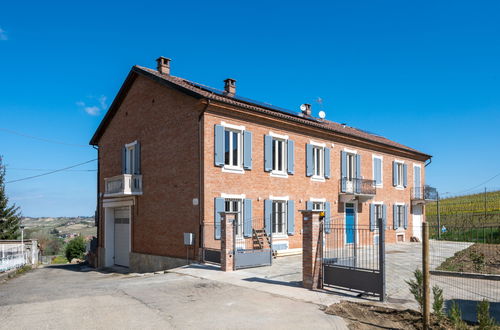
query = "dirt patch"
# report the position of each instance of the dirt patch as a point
(477, 258)
(365, 316)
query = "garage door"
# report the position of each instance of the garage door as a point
(122, 236)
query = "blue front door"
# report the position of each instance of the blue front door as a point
(349, 223)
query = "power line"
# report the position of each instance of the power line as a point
(479, 185)
(44, 169)
(42, 139)
(59, 170)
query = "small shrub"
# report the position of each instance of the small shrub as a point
(438, 303)
(455, 316)
(75, 248)
(417, 287)
(484, 319)
(477, 260)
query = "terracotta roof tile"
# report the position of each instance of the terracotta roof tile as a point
(219, 95)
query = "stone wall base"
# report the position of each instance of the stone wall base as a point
(145, 263)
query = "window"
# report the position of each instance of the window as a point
(351, 167)
(400, 209)
(279, 226)
(318, 157)
(234, 205)
(279, 156)
(232, 148)
(131, 158)
(399, 174)
(378, 211)
(318, 206)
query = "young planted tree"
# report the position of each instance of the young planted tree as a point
(485, 321)
(10, 216)
(438, 303)
(417, 287)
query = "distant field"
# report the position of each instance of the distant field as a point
(466, 211)
(65, 225)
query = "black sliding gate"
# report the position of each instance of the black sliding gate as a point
(353, 258)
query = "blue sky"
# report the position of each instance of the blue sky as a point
(426, 74)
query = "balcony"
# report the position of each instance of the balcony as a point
(123, 185)
(422, 195)
(361, 189)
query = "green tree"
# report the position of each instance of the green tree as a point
(417, 287)
(484, 319)
(438, 302)
(75, 248)
(10, 217)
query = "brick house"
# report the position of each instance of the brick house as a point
(173, 153)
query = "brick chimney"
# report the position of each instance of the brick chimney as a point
(163, 65)
(230, 86)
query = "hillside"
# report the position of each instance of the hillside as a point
(65, 226)
(467, 210)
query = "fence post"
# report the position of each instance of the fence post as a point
(438, 216)
(425, 269)
(227, 241)
(381, 257)
(312, 245)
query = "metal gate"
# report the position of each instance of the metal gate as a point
(353, 257)
(252, 245)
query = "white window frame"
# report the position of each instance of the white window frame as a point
(238, 168)
(401, 221)
(130, 157)
(283, 200)
(381, 184)
(278, 138)
(240, 217)
(350, 166)
(400, 169)
(414, 176)
(318, 168)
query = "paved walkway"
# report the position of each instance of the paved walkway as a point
(69, 297)
(284, 277)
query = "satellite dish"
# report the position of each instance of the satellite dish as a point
(303, 107)
(322, 114)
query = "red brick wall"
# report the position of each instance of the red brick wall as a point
(165, 122)
(257, 184)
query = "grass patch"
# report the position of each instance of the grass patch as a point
(59, 260)
(488, 235)
(478, 258)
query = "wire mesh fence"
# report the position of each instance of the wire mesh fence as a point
(465, 263)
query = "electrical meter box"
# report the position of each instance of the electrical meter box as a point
(188, 238)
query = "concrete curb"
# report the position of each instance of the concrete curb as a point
(466, 275)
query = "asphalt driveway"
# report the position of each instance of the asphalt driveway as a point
(69, 297)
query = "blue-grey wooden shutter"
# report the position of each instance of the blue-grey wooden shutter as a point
(405, 175)
(327, 218)
(327, 163)
(124, 160)
(291, 157)
(343, 169)
(373, 220)
(358, 173)
(395, 216)
(394, 174)
(405, 221)
(309, 205)
(309, 160)
(384, 216)
(247, 150)
(219, 145)
(268, 209)
(247, 215)
(378, 170)
(268, 153)
(291, 217)
(219, 207)
(137, 156)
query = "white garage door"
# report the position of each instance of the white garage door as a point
(122, 236)
(417, 221)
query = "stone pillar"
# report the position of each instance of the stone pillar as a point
(312, 242)
(227, 241)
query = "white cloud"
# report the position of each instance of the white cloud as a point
(3, 34)
(96, 109)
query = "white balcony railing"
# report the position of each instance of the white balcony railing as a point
(123, 185)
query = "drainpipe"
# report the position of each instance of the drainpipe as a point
(430, 161)
(98, 209)
(200, 154)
